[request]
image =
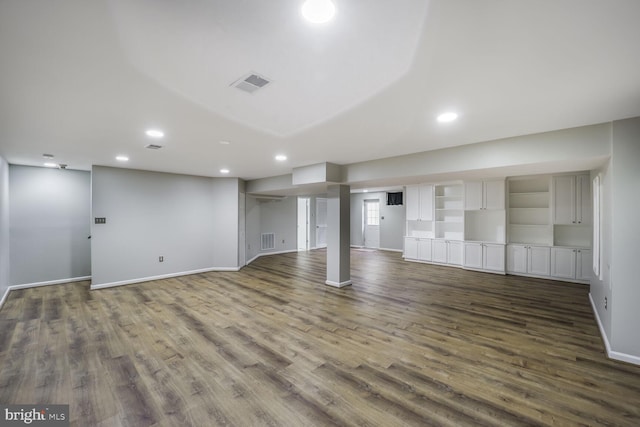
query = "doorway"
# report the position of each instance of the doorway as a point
(371, 229)
(303, 223)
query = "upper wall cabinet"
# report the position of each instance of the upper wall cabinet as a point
(419, 200)
(572, 199)
(479, 195)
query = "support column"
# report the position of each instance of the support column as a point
(338, 236)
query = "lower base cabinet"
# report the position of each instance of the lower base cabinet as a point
(418, 249)
(447, 251)
(484, 256)
(526, 259)
(571, 263)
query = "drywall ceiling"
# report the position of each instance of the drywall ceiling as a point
(83, 79)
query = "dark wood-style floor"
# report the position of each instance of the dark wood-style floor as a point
(407, 344)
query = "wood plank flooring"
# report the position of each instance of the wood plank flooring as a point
(407, 344)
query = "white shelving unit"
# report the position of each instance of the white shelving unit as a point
(529, 211)
(449, 212)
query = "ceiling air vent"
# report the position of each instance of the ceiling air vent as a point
(153, 146)
(251, 83)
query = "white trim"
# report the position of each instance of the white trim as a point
(616, 355)
(48, 283)
(338, 285)
(160, 277)
(390, 250)
(38, 284)
(272, 253)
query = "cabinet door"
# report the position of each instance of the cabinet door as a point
(424, 249)
(412, 194)
(473, 255)
(584, 264)
(494, 194)
(426, 202)
(517, 258)
(493, 257)
(473, 195)
(411, 248)
(564, 199)
(455, 252)
(563, 263)
(439, 251)
(538, 260)
(583, 199)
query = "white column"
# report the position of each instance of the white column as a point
(338, 236)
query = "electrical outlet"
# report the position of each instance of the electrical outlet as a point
(161, 259)
(605, 303)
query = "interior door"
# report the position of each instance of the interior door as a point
(321, 223)
(371, 234)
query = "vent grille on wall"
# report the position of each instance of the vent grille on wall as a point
(153, 146)
(268, 241)
(251, 83)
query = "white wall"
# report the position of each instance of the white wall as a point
(190, 221)
(49, 224)
(391, 227)
(625, 295)
(4, 227)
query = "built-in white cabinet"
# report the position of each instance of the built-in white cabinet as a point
(484, 256)
(417, 249)
(447, 251)
(571, 263)
(572, 199)
(479, 195)
(528, 259)
(419, 200)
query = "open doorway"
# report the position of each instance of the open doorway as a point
(303, 223)
(371, 229)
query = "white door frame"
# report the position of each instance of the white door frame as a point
(303, 223)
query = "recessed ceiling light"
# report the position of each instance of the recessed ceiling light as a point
(281, 157)
(224, 143)
(122, 158)
(447, 117)
(51, 165)
(318, 11)
(365, 191)
(154, 133)
(224, 171)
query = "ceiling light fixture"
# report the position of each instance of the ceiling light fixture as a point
(318, 11)
(224, 143)
(447, 117)
(281, 157)
(122, 158)
(51, 165)
(224, 171)
(154, 133)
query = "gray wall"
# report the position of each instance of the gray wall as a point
(625, 161)
(280, 217)
(4, 227)
(391, 227)
(252, 227)
(191, 221)
(49, 224)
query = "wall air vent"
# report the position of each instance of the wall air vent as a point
(267, 241)
(153, 146)
(251, 83)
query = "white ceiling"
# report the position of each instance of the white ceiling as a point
(83, 79)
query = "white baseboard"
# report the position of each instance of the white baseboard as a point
(391, 250)
(616, 355)
(49, 282)
(288, 251)
(338, 284)
(160, 277)
(38, 284)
